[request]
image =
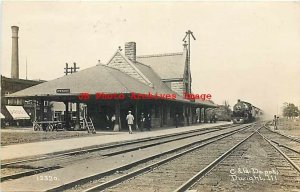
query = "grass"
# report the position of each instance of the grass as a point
(290, 126)
(8, 138)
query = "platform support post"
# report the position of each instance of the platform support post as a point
(161, 114)
(136, 115)
(77, 124)
(117, 126)
(67, 120)
(204, 115)
(42, 111)
(201, 115)
(192, 114)
(184, 115)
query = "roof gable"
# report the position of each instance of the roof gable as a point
(120, 62)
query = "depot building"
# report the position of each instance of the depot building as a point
(81, 95)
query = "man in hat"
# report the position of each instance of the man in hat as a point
(148, 122)
(176, 120)
(275, 122)
(113, 121)
(142, 122)
(130, 120)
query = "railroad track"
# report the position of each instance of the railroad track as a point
(31, 166)
(160, 169)
(280, 135)
(108, 146)
(286, 145)
(241, 171)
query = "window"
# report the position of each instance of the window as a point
(46, 103)
(28, 102)
(57, 116)
(19, 101)
(13, 101)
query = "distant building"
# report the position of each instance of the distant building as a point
(12, 85)
(12, 109)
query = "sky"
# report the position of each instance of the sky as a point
(243, 50)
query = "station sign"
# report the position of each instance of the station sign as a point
(63, 91)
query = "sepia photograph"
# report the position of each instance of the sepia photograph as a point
(152, 96)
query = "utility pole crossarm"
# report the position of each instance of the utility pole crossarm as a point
(70, 70)
(193, 35)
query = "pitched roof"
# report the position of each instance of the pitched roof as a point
(120, 75)
(158, 85)
(100, 78)
(167, 66)
(153, 77)
(161, 87)
(206, 102)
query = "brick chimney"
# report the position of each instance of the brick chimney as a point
(130, 51)
(15, 53)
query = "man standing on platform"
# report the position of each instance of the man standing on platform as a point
(113, 121)
(130, 120)
(176, 120)
(142, 122)
(148, 122)
(107, 121)
(275, 122)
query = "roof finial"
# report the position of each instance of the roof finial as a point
(120, 49)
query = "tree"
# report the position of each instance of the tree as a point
(290, 110)
(227, 106)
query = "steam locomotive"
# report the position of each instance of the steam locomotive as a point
(244, 112)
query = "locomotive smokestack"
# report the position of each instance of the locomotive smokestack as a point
(15, 53)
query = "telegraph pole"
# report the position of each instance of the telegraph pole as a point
(188, 35)
(67, 69)
(70, 70)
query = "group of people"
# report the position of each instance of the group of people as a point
(110, 121)
(144, 122)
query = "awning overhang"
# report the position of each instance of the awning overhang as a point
(17, 112)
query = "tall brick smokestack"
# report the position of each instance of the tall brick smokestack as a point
(15, 53)
(130, 51)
